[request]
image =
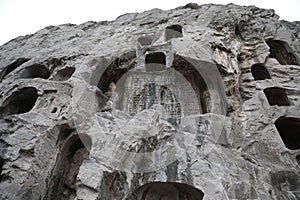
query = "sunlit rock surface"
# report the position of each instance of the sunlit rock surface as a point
(198, 102)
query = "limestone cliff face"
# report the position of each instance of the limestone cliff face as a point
(198, 102)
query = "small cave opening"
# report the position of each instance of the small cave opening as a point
(282, 52)
(145, 40)
(277, 96)
(1, 165)
(168, 191)
(64, 74)
(173, 31)
(298, 159)
(155, 61)
(72, 153)
(21, 101)
(289, 131)
(11, 67)
(259, 72)
(196, 81)
(35, 71)
(116, 70)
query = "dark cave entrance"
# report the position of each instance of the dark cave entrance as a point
(173, 31)
(282, 52)
(35, 71)
(168, 191)
(155, 61)
(259, 72)
(21, 101)
(289, 130)
(276, 96)
(12, 67)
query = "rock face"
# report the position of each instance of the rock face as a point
(198, 102)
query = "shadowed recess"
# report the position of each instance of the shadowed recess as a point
(64, 74)
(145, 40)
(35, 71)
(20, 101)
(298, 159)
(1, 165)
(62, 182)
(12, 67)
(196, 81)
(282, 52)
(276, 96)
(116, 70)
(289, 130)
(168, 191)
(173, 31)
(155, 61)
(259, 72)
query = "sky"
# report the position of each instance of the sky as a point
(21, 17)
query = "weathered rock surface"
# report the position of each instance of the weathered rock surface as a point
(198, 102)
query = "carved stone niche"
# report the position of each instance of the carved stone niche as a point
(289, 130)
(168, 191)
(282, 52)
(72, 152)
(175, 91)
(259, 72)
(173, 31)
(155, 61)
(20, 101)
(277, 96)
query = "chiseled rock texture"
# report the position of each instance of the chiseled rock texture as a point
(198, 102)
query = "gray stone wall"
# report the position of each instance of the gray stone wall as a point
(198, 102)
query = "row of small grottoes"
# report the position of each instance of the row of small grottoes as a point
(172, 31)
(46, 70)
(280, 51)
(287, 127)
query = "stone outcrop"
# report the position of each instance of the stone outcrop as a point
(198, 102)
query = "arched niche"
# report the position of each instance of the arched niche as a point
(155, 61)
(145, 40)
(289, 131)
(206, 80)
(114, 70)
(34, 71)
(173, 31)
(259, 72)
(12, 67)
(72, 152)
(195, 79)
(63, 74)
(168, 191)
(20, 101)
(282, 52)
(276, 96)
